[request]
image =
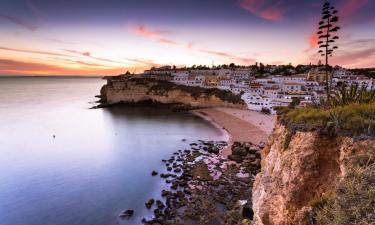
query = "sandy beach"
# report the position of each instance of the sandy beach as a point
(241, 125)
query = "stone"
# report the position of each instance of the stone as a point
(236, 158)
(127, 214)
(149, 203)
(239, 151)
(200, 171)
(165, 193)
(160, 204)
(154, 173)
(247, 212)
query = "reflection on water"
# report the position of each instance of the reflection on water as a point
(99, 162)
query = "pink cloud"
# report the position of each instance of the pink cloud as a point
(78, 62)
(19, 22)
(88, 54)
(350, 7)
(32, 51)
(312, 41)
(358, 58)
(147, 62)
(265, 9)
(155, 35)
(159, 38)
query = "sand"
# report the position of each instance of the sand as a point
(241, 125)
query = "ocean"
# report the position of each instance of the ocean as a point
(62, 163)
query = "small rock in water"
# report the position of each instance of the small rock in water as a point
(154, 173)
(127, 214)
(53, 136)
(183, 139)
(149, 203)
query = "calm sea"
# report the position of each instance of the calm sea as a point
(99, 161)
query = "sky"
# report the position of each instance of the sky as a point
(108, 37)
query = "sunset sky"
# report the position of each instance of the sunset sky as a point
(103, 37)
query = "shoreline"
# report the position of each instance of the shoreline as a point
(239, 125)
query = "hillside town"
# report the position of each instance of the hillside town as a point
(263, 92)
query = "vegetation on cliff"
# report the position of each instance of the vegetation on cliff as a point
(353, 199)
(350, 112)
(163, 87)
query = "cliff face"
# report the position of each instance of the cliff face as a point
(297, 169)
(137, 90)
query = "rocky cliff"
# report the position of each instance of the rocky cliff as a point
(296, 170)
(138, 90)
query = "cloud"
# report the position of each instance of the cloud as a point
(19, 22)
(313, 39)
(159, 38)
(356, 58)
(354, 53)
(266, 9)
(147, 62)
(154, 35)
(78, 62)
(225, 55)
(58, 41)
(32, 51)
(88, 54)
(15, 67)
(350, 7)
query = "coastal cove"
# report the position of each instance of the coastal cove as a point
(63, 163)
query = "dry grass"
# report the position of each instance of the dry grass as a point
(353, 200)
(352, 120)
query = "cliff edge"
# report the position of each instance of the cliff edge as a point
(298, 169)
(134, 90)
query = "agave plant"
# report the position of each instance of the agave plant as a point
(353, 94)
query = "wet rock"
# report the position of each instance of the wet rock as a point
(236, 158)
(165, 193)
(149, 203)
(214, 150)
(158, 213)
(154, 173)
(247, 212)
(160, 204)
(174, 186)
(200, 171)
(239, 151)
(127, 214)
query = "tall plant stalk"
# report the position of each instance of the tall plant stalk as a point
(327, 28)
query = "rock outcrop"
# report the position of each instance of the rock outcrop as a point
(130, 89)
(296, 170)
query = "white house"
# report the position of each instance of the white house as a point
(292, 87)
